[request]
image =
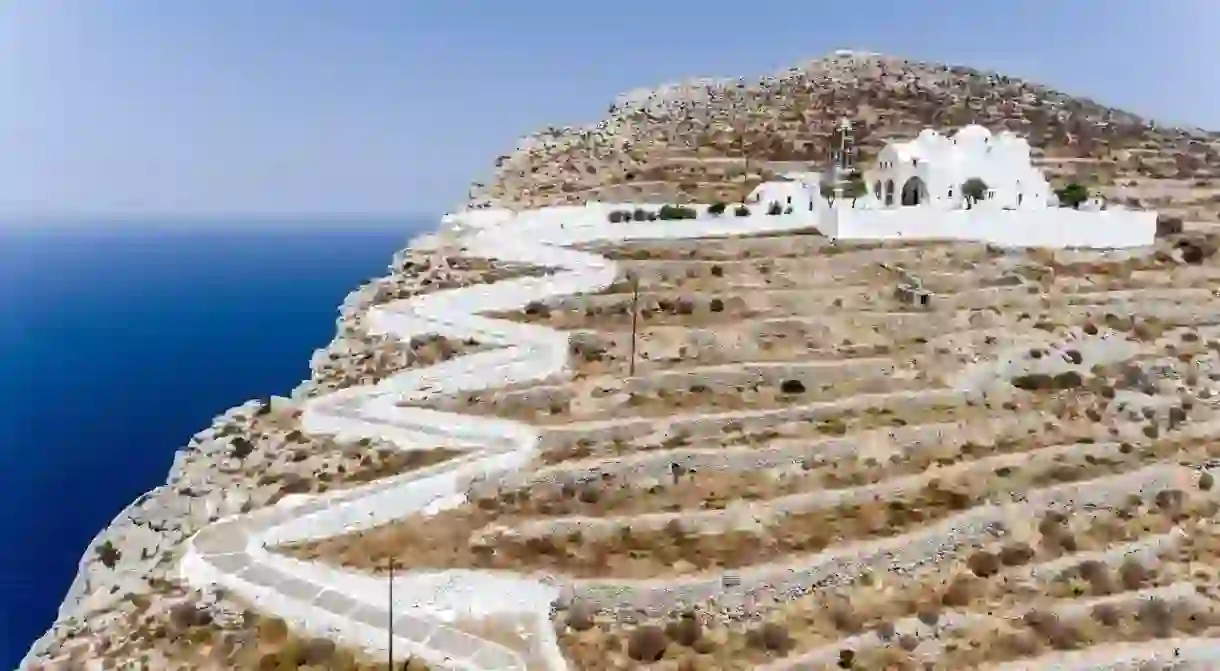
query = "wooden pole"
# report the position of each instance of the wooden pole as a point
(635, 316)
(390, 611)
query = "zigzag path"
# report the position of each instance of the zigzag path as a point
(1065, 525)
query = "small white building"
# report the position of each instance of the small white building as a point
(795, 193)
(931, 169)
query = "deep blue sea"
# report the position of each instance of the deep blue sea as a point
(119, 341)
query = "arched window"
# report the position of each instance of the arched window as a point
(889, 192)
(877, 189)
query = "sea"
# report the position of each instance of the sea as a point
(121, 339)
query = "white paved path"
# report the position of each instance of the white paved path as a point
(351, 607)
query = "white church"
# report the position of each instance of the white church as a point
(915, 190)
(930, 171)
(933, 167)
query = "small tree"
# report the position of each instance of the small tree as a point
(827, 189)
(1072, 195)
(855, 188)
(973, 190)
(716, 209)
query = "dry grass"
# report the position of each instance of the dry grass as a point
(591, 516)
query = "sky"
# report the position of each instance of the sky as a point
(129, 108)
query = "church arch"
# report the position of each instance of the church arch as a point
(914, 192)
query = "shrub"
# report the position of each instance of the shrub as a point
(640, 214)
(772, 637)
(672, 212)
(1072, 195)
(686, 631)
(855, 187)
(580, 617)
(617, 216)
(788, 210)
(652, 216)
(974, 190)
(742, 211)
(647, 644)
(108, 554)
(792, 387)
(775, 208)
(1033, 382)
(716, 209)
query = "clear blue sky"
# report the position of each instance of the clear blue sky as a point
(389, 106)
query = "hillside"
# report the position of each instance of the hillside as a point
(708, 140)
(753, 450)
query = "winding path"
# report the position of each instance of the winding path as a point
(352, 607)
(434, 610)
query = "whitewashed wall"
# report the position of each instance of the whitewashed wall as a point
(1053, 227)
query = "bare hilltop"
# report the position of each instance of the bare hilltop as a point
(760, 454)
(709, 140)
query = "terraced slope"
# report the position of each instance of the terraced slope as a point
(800, 470)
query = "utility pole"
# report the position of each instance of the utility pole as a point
(635, 316)
(390, 616)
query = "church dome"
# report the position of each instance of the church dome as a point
(972, 133)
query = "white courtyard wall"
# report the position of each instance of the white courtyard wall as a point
(1054, 227)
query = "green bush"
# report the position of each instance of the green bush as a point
(716, 209)
(1072, 195)
(775, 208)
(640, 214)
(974, 190)
(742, 211)
(673, 212)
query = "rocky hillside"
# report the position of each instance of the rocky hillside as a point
(716, 139)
